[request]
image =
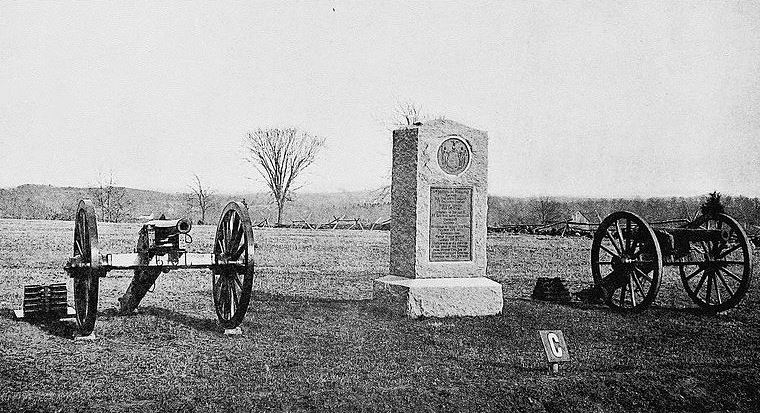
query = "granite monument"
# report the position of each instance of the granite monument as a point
(439, 205)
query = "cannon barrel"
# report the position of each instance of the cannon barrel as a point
(699, 234)
(173, 226)
(683, 234)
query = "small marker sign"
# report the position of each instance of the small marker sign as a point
(555, 348)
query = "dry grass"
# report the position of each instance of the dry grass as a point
(313, 342)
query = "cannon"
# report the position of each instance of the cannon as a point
(711, 253)
(161, 236)
(158, 251)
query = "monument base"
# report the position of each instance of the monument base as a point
(438, 297)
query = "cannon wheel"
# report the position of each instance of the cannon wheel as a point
(86, 277)
(718, 273)
(233, 245)
(626, 262)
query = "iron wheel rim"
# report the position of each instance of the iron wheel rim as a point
(626, 262)
(232, 276)
(86, 275)
(726, 268)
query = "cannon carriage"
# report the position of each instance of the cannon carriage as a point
(711, 253)
(158, 251)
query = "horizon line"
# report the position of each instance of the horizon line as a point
(538, 195)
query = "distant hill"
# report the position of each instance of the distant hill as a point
(50, 202)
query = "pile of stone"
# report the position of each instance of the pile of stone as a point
(550, 289)
(590, 295)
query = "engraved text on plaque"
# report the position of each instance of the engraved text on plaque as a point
(450, 224)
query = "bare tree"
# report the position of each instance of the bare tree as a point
(201, 198)
(546, 210)
(280, 155)
(109, 198)
(407, 113)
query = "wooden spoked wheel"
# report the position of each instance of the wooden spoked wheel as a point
(232, 276)
(86, 274)
(626, 262)
(717, 274)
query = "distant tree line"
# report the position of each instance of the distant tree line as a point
(544, 210)
(45, 202)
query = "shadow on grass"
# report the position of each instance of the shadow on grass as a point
(585, 305)
(367, 306)
(7, 313)
(200, 324)
(109, 312)
(59, 328)
(264, 296)
(52, 326)
(574, 304)
(695, 311)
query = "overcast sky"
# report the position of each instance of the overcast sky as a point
(579, 98)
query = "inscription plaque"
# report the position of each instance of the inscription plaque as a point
(450, 224)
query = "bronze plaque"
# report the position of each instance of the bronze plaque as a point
(450, 224)
(453, 156)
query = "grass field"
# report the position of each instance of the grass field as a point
(313, 341)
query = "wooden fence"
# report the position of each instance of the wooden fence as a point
(566, 228)
(336, 223)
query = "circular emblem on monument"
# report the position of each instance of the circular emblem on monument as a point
(453, 155)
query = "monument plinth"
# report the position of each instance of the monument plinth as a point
(439, 205)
